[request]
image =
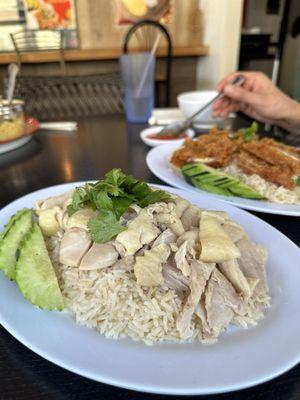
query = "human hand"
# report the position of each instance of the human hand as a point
(259, 99)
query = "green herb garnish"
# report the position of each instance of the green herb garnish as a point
(111, 197)
(298, 181)
(248, 133)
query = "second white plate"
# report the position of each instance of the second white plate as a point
(158, 162)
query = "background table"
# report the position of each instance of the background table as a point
(53, 158)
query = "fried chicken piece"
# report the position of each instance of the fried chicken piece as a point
(289, 149)
(215, 149)
(269, 151)
(250, 164)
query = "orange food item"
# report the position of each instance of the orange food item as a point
(275, 162)
(214, 149)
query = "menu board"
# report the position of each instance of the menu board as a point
(50, 14)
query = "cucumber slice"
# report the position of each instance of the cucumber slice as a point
(214, 189)
(240, 189)
(14, 231)
(35, 274)
(214, 181)
(12, 221)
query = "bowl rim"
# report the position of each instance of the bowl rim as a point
(193, 92)
(157, 128)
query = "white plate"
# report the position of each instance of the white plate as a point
(240, 359)
(156, 142)
(157, 161)
(14, 144)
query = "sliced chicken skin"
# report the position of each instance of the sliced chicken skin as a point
(216, 245)
(99, 256)
(73, 246)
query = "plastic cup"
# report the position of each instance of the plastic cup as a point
(137, 71)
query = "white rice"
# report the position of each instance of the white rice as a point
(272, 192)
(110, 301)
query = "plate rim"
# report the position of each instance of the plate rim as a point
(135, 387)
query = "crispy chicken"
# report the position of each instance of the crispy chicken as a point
(275, 162)
(215, 149)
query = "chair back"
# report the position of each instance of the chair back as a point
(31, 40)
(141, 37)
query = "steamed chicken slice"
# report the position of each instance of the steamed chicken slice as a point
(231, 270)
(74, 244)
(252, 262)
(148, 268)
(200, 274)
(140, 231)
(193, 234)
(221, 303)
(49, 220)
(185, 252)
(234, 230)
(180, 205)
(100, 255)
(174, 278)
(81, 218)
(167, 236)
(51, 202)
(216, 245)
(191, 217)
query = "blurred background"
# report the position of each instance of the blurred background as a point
(208, 39)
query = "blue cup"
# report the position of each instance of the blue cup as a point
(137, 71)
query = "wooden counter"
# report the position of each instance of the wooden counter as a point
(93, 54)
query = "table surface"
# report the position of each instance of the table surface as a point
(53, 158)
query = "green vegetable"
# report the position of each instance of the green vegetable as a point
(111, 197)
(248, 133)
(214, 181)
(298, 181)
(14, 231)
(35, 274)
(104, 227)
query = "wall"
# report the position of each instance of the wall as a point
(222, 22)
(289, 80)
(268, 23)
(98, 29)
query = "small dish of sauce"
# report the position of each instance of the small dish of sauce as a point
(150, 136)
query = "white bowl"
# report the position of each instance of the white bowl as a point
(157, 142)
(190, 102)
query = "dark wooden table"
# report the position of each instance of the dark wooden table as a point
(99, 145)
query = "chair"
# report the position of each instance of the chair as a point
(141, 37)
(61, 96)
(31, 40)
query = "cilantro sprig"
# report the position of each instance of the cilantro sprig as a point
(111, 197)
(248, 133)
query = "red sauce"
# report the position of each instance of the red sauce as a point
(166, 137)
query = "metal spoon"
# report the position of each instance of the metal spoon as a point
(176, 128)
(13, 70)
